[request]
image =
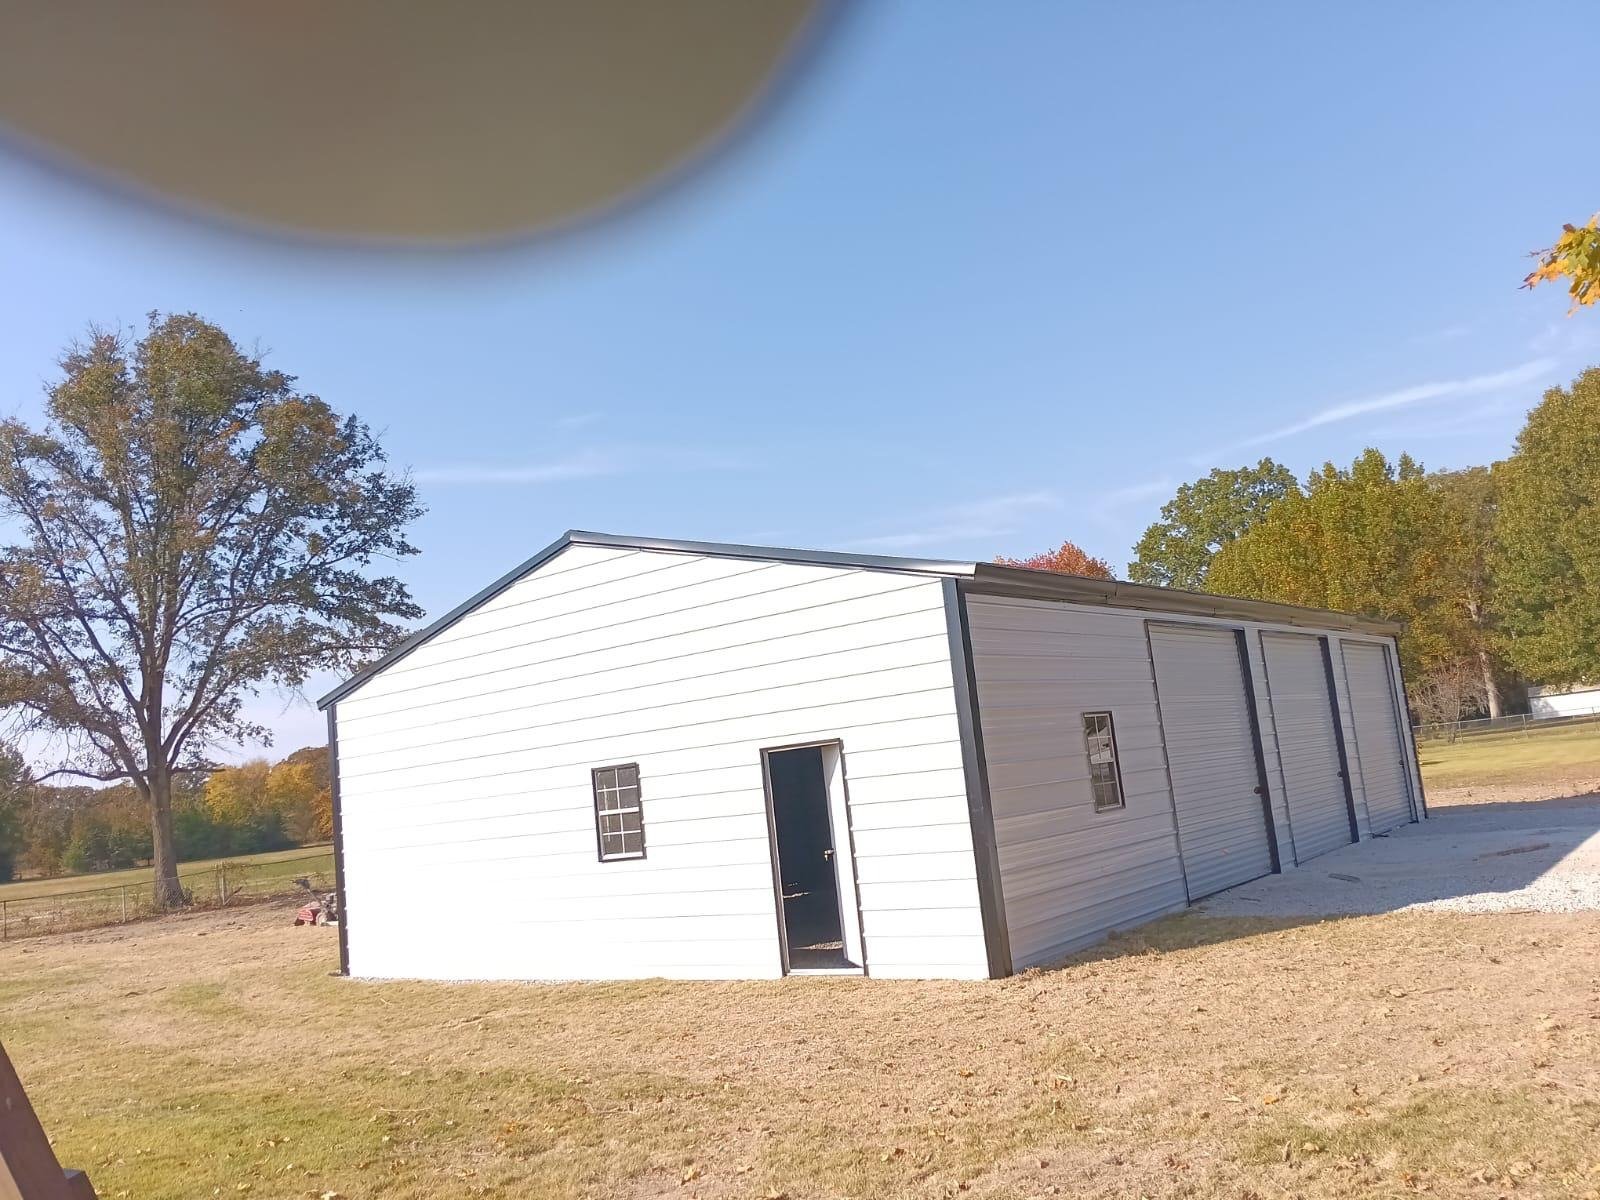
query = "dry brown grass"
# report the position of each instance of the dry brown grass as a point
(1539, 763)
(1450, 1055)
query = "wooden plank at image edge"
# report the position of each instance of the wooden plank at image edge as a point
(28, 1166)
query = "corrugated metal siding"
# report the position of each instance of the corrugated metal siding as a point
(1379, 740)
(1307, 743)
(1276, 788)
(1347, 722)
(464, 772)
(1211, 753)
(1068, 873)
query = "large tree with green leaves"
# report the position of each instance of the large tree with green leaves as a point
(188, 529)
(1546, 556)
(1469, 500)
(1369, 539)
(14, 786)
(1203, 517)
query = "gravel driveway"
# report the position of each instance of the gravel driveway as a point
(1535, 856)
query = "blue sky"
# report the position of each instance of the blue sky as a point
(990, 277)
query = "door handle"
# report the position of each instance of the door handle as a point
(827, 855)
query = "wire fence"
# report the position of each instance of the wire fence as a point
(1525, 723)
(216, 886)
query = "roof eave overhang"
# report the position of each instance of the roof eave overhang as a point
(982, 578)
(992, 579)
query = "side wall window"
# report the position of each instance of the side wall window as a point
(1105, 775)
(618, 812)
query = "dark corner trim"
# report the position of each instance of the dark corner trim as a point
(1255, 737)
(338, 843)
(1338, 738)
(980, 811)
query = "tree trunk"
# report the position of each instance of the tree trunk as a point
(164, 858)
(1491, 688)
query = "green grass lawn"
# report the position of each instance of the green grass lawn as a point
(1561, 754)
(216, 1054)
(273, 864)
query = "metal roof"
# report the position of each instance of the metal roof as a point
(982, 578)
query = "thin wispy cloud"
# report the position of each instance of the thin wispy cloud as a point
(580, 420)
(1105, 507)
(1495, 416)
(1421, 393)
(1134, 493)
(1448, 333)
(582, 466)
(585, 464)
(1564, 336)
(990, 517)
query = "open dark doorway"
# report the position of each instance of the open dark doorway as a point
(815, 872)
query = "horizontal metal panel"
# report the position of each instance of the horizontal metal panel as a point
(770, 661)
(1039, 668)
(592, 742)
(950, 837)
(1105, 915)
(467, 765)
(575, 720)
(897, 894)
(699, 622)
(936, 956)
(912, 868)
(674, 766)
(1085, 847)
(962, 922)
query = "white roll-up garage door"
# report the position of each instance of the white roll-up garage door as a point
(1380, 749)
(1308, 743)
(1211, 755)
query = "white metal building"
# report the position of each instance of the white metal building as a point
(1545, 702)
(633, 758)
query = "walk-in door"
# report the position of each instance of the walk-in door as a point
(819, 916)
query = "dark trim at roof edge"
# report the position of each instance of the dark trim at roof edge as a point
(985, 578)
(580, 537)
(992, 579)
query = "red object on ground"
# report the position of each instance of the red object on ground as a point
(308, 914)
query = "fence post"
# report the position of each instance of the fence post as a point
(124, 902)
(5, 919)
(222, 885)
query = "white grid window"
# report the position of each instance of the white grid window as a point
(1105, 776)
(618, 814)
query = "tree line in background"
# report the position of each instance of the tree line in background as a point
(1495, 570)
(257, 806)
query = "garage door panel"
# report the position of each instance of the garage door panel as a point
(1211, 756)
(1315, 794)
(1385, 785)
